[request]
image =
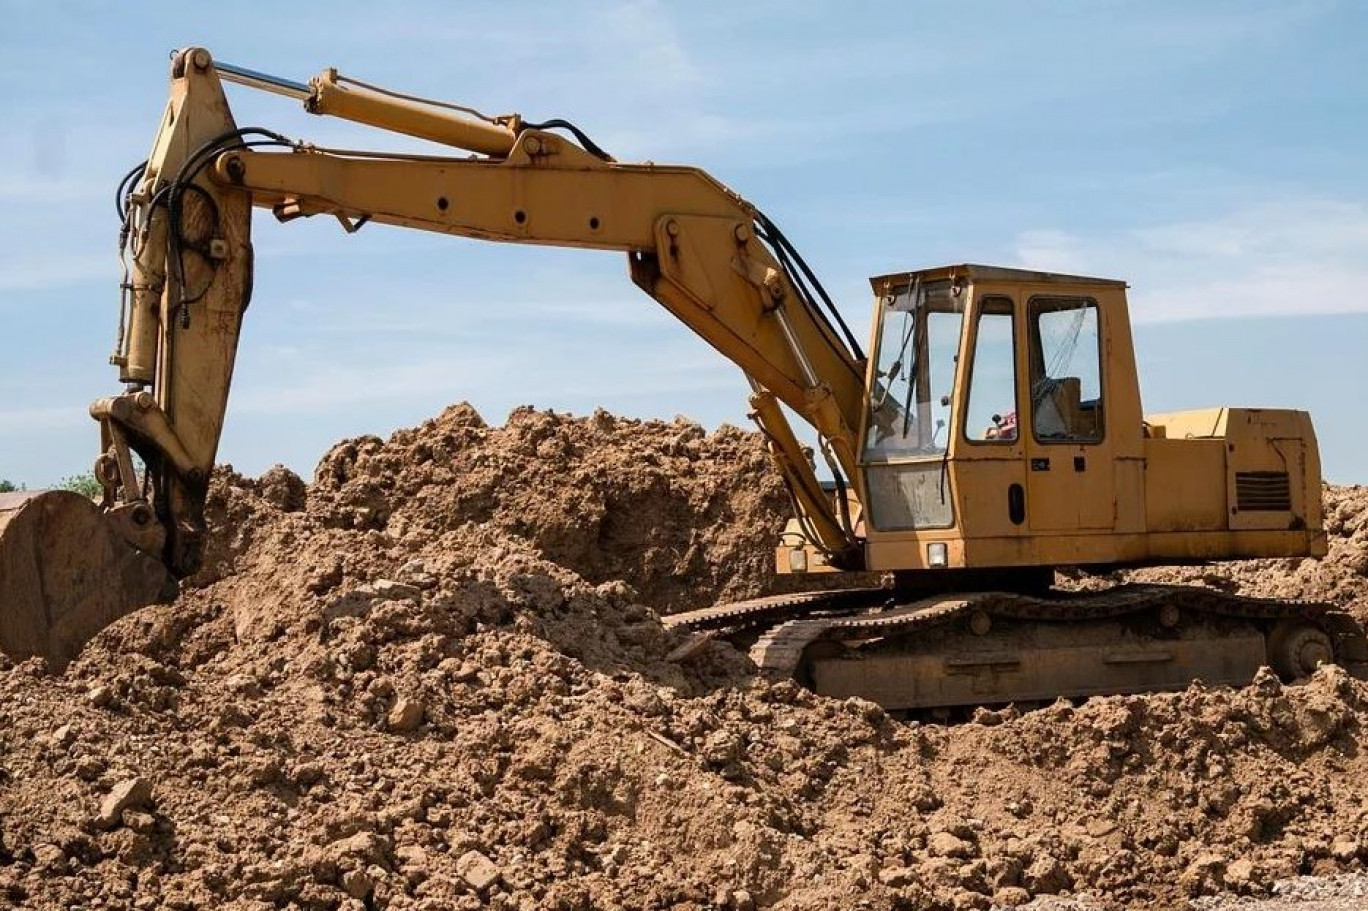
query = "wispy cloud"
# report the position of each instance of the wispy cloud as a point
(39, 272)
(1290, 256)
(40, 189)
(35, 420)
(312, 380)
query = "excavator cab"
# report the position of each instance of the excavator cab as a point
(1004, 436)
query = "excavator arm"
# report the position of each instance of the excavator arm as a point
(693, 245)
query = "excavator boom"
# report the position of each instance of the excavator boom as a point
(693, 245)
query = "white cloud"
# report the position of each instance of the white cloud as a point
(1051, 251)
(1290, 256)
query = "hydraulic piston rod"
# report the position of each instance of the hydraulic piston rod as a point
(262, 81)
(336, 95)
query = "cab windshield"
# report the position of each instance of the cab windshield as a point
(909, 407)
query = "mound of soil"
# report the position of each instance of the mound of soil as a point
(436, 678)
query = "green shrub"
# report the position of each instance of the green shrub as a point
(83, 484)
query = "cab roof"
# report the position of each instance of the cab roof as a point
(978, 272)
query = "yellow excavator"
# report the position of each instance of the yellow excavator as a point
(995, 433)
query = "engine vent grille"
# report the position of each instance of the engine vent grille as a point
(1262, 491)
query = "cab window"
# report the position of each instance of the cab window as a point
(1066, 371)
(909, 405)
(992, 408)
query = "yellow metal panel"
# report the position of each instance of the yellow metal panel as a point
(983, 485)
(1185, 486)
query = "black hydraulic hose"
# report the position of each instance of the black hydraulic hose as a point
(124, 186)
(829, 336)
(175, 190)
(773, 230)
(558, 124)
(796, 279)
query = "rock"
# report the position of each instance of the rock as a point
(131, 793)
(1344, 848)
(366, 846)
(389, 590)
(141, 822)
(357, 883)
(89, 768)
(307, 774)
(243, 685)
(1046, 876)
(406, 715)
(50, 858)
(1011, 897)
(741, 900)
(944, 844)
(63, 737)
(1241, 874)
(1204, 876)
(1004, 871)
(100, 695)
(477, 870)
(415, 572)
(1100, 828)
(414, 863)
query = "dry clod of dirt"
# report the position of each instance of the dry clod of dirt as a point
(126, 795)
(436, 677)
(477, 870)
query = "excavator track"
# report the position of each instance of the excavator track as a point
(999, 647)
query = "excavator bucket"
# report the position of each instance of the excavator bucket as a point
(66, 574)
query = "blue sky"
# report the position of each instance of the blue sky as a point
(1210, 154)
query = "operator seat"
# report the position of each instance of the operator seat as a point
(1057, 408)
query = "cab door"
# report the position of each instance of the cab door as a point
(1069, 476)
(990, 463)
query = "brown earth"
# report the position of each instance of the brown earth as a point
(435, 678)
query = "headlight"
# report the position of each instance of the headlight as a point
(937, 554)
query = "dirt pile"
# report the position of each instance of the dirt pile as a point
(673, 509)
(435, 678)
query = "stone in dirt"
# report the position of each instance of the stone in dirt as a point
(945, 844)
(131, 793)
(406, 715)
(477, 870)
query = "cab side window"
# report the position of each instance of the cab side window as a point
(992, 407)
(1066, 371)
